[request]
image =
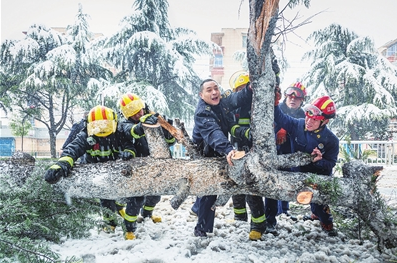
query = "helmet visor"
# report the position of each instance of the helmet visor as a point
(294, 92)
(101, 128)
(132, 108)
(313, 112)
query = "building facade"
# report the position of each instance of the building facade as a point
(223, 65)
(389, 50)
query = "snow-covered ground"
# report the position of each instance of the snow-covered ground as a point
(173, 239)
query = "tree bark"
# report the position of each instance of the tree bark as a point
(212, 176)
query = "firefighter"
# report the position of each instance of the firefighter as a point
(213, 120)
(100, 142)
(294, 97)
(135, 113)
(262, 216)
(238, 81)
(76, 128)
(311, 135)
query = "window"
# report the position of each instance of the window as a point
(391, 51)
(218, 61)
(244, 37)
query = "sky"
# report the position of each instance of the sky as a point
(375, 19)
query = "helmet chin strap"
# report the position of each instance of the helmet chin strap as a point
(323, 123)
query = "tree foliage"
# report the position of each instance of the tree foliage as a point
(31, 211)
(361, 81)
(19, 128)
(52, 70)
(149, 54)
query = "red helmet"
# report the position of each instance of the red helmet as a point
(296, 89)
(321, 108)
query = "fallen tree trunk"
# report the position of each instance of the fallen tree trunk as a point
(210, 176)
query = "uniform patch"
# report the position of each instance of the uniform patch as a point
(227, 93)
(91, 141)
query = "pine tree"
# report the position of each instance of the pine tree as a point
(156, 61)
(33, 213)
(361, 81)
(51, 72)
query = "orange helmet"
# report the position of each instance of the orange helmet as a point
(296, 89)
(238, 79)
(101, 121)
(130, 104)
(321, 108)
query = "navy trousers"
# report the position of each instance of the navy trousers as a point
(206, 216)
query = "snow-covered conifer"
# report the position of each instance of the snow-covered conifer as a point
(361, 81)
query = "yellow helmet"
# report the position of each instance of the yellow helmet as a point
(130, 104)
(101, 121)
(239, 78)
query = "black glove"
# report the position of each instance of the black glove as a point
(275, 67)
(248, 134)
(277, 95)
(170, 121)
(149, 119)
(137, 130)
(54, 174)
(127, 155)
(276, 70)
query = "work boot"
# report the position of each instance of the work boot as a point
(109, 229)
(331, 231)
(293, 218)
(241, 217)
(255, 235)
(199, 233)
(156, 219)
(146, 213)
(129, 236)
(272, 230)
(311, 217)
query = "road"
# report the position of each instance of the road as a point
(387, 184)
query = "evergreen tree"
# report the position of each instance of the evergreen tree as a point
(361, 81)
(33, 213)
(156, 61)
(52, 72)
(19, 128)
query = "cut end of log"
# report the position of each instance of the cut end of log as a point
(238, 155)
(304, 198)
(151, 125)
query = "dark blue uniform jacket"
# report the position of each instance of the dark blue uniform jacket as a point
(305, 141)
(287, 147)
(213, 123)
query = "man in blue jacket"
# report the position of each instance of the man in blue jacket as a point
(311, 135)
(213, 120)
(294, 96)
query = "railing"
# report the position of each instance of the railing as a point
(178, 151)
(381, 152)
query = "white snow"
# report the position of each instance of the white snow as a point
(172, 240)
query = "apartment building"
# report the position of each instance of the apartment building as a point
(223, 65)
(389, 50)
